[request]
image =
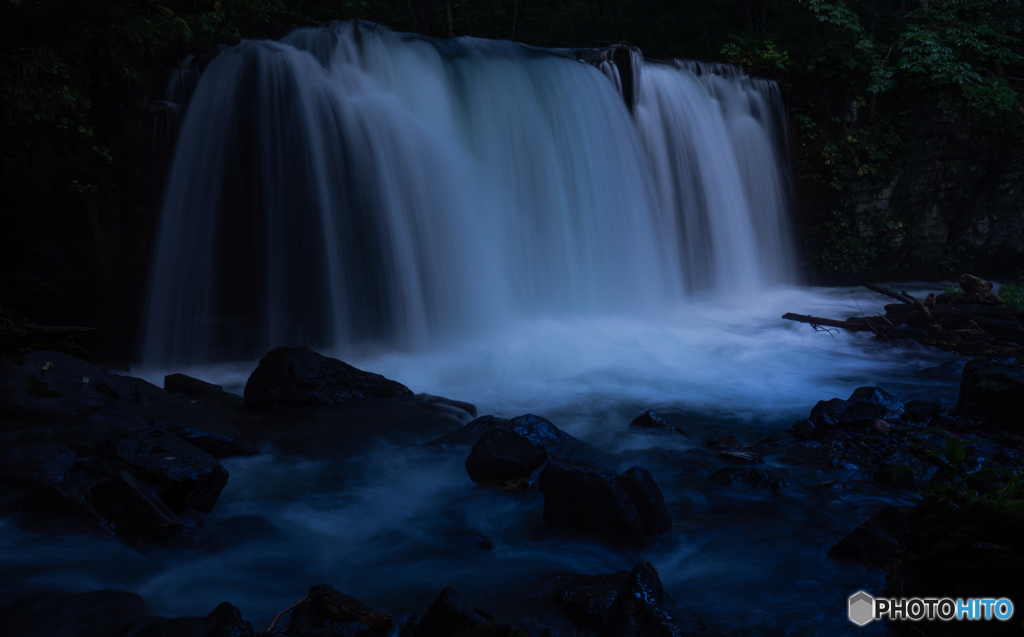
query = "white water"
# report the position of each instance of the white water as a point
(342, 189)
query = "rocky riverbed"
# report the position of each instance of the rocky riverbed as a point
(86, 453)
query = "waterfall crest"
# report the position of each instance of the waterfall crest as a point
(352, 186)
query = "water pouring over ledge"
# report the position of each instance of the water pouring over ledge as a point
(353, 186)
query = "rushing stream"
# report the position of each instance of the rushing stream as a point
(396, 525)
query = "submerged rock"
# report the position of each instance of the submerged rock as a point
(589, 497)
(300, 376)
(642, 608)
(450, 614)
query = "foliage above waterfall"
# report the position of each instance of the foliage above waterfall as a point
(863, 79)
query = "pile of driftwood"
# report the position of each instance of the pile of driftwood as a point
(973, 322)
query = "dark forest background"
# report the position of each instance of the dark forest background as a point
(906, 121)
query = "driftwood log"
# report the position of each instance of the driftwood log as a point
(975, 322)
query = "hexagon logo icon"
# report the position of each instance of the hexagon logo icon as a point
(862, 608)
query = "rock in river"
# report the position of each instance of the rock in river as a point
(300, 376)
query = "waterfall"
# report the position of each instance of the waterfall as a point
(352, 186)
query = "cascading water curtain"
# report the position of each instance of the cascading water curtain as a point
(351, 186)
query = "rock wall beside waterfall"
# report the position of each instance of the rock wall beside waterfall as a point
(958, 205)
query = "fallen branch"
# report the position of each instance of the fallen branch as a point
(901, 297)
(273, 622)
(815, 320)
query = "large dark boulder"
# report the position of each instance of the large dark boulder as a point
(643, 491)
(585, 599)
(873, 544)
(993, 389)
(44, 462)
(224, 621)
(450, 614)
(300, 376)
(517, 449)
(185, 476)
(589, 497)
(341, 608)
(642, 608)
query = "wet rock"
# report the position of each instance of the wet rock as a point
(44, 462)
(517, 449)
(880, 427)
(874, 543)
(73, 389)
(347, 629)
(993, 389)
(585, 599)
(643, 491)
(588, 497)
(805, 430)
(649, 420)
(300, 376)
(642, 608)
(741, 475)
(225, 621)
(182, 384)
(305, 618)
(402, 625)
(185, 476)
(470, 433)
(918, 411)
(877, 396)
(134, 509)
(723, 443)
(971, 284)
(340, 608)
(450, 614)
